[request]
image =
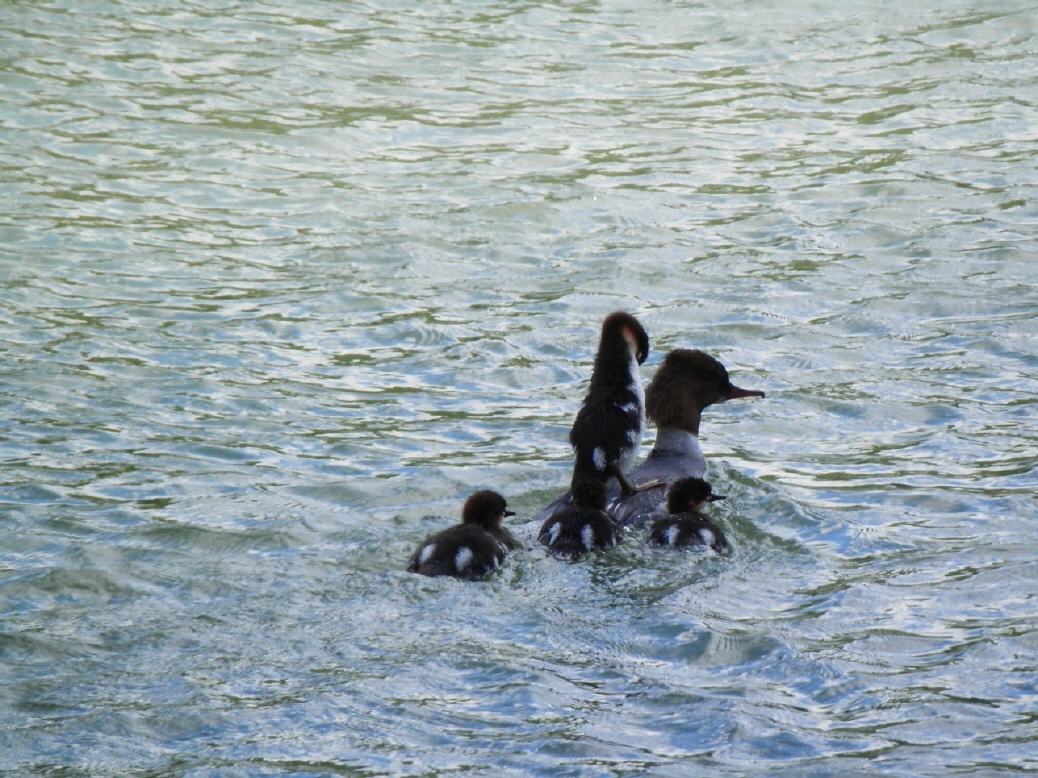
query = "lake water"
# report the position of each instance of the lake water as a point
(281, 284)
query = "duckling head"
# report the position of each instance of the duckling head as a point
(622, 325)
(485, 509)
(689, 494)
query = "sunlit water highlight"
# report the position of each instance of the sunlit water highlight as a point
(281, 284)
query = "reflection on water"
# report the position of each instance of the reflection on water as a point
(280, 286)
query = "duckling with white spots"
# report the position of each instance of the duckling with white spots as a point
(687, 526)
(583, 526)
(470, 550)
(608, 428)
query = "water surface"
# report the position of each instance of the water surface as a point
(281, 284)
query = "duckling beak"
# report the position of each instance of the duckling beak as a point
(508, 513)
(736, 393)
(716, 497)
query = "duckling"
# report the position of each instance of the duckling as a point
(685, 384)
(584, 526)
(471, 549)
(608, 429)
(686, 525)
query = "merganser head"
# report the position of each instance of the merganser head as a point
(486, 509)
(589, 494)
(689, 494)
(622, 324)
(686, 383)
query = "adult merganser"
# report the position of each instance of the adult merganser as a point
(584, 525)
(608, 429)
(685, 384)
(686, 525)
(471, 549)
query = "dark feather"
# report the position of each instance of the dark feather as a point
(487, 553)
(610, 420)
(689, 527)
(564, 534)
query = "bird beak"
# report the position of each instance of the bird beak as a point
(716, 497)
(509, 513)
(736, 393)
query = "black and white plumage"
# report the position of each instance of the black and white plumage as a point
(608, 429)
(583, 526)
(472, 549)
(686, 526)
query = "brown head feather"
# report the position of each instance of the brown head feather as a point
(484, 508)
(686, 383)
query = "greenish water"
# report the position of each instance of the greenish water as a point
(281, 284)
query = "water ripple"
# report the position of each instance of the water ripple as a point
(279, 286)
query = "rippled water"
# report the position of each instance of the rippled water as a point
(281, 284)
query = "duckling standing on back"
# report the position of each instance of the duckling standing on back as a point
(608, 429)
(583, 526)
(684, 386)
(687, 525)
(471, 549)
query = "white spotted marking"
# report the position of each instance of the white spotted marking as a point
(587, 534)
(426, 553)
(707, 536)
(629, 453)
(672, 534)
(553, 533)
(636, 386)
(462, 559)
(627, 407)
(635, 435)
(599, 458)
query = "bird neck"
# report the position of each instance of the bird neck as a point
(675, 440)
(614, 363)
